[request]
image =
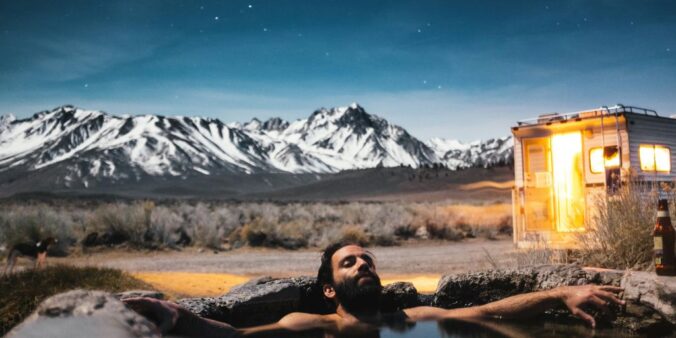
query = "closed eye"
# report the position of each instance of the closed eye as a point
(349, 261)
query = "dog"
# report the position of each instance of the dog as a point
(36, 252)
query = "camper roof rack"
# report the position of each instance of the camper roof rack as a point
(614, 110)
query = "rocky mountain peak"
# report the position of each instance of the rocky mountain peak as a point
(254, 124)
(275, 123)
(356, 117)
(88, 145)
(7, 119)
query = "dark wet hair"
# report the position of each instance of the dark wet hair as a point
(325, 272)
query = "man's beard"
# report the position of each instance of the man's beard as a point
(357, 298)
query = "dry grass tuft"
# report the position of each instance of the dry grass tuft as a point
(355, 234)
(22, 292)
(620, 235)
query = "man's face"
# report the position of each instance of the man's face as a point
(353, 262)
(355, 281)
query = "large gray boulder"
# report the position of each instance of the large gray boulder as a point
(267, 299)
(81, 313)
(651, 299)
(656, 292)
(260, 301)
(476, 288)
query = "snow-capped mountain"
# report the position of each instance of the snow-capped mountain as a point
(454, 154)
(88, 145)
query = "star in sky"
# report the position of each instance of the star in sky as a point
(385, 55)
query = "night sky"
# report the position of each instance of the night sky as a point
(453, 69)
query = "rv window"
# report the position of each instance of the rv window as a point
(599, 159)
(654, 158)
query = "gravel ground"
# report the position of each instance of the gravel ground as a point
(436, 258)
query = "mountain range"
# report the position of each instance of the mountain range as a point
(76, 148)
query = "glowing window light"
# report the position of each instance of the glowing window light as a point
(598, 162)
(654, 158)
(662, 159)
(568, 184)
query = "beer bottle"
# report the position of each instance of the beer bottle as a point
(663, 236)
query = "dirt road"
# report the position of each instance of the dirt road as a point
(421, 258)
(204, 273)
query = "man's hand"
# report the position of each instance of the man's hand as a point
(164, 314)
(599, 296)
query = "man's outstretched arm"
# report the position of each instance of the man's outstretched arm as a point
(170, 317)
(529, 304)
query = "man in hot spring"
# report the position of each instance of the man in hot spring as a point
(350, 283)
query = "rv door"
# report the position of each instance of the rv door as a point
(537, 181)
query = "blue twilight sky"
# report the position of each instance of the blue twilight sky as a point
(454, 69)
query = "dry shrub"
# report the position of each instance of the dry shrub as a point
(147, 224)
(254, 233)
(122, 222)
(166, 225)
(355, 234)
(289, 235)
(443, 231)
(384, 221)
(487, 221)
(203, 228)
(436, 223)
(292, 235)
(620, 232)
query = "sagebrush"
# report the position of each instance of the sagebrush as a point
(620, 229)
(219, 225)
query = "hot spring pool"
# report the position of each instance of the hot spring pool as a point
(508, 329)
(459, 329)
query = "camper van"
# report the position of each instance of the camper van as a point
(563, 163)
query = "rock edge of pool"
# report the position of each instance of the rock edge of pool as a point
(649, 310)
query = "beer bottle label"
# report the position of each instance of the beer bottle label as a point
(662, 213)
(658, 260)
(658, 242)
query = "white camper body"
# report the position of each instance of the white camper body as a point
(563, 163)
